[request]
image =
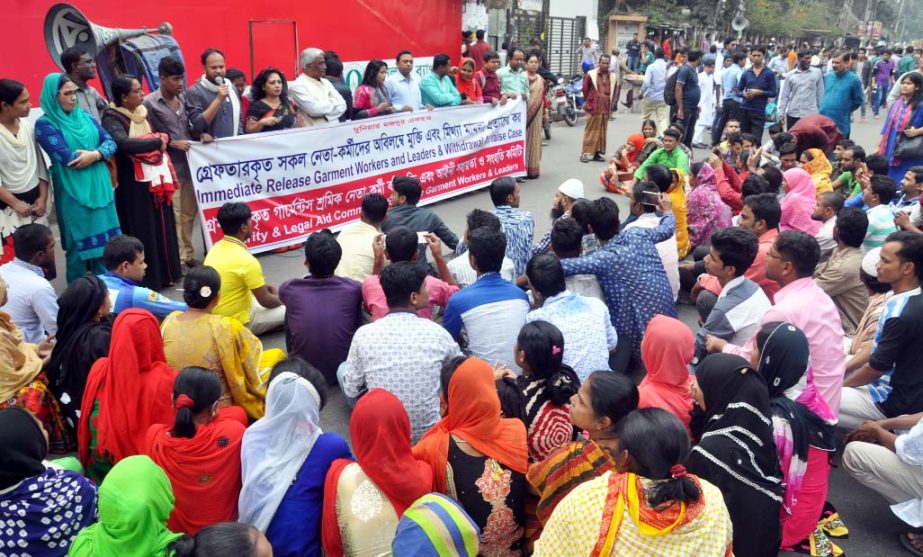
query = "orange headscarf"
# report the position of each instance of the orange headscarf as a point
(470, 88)
(474, 415)
(134, 387)
(637, 140)
(667, 349)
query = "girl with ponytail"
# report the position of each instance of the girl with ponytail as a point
(648, 505)
(201, 452)
(547, 386)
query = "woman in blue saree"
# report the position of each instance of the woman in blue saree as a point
(78, 147)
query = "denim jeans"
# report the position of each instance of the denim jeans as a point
(878, 98)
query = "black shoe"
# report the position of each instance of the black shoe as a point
(599, 158)
(519, 180)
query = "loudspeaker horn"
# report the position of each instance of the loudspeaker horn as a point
(66, 27)
(739, 23)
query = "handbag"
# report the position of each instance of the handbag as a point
(909, 148)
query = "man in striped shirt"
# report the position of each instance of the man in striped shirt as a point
(518, 225)
(878, 194)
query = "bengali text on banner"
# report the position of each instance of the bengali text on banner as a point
(302, 180)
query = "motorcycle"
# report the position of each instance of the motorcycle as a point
(568, 100)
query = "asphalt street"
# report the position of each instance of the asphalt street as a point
(873, 528)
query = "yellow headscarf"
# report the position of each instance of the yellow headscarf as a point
(820, 169)
(19, 361)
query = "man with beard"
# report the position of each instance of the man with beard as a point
(212, 105)
(80, 68)
(568, 193)
(598, 90)
(242, 279)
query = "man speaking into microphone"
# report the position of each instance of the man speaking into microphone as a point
(212, 104)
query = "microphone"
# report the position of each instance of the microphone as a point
(219, 80)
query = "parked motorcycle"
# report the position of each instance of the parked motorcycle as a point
(568, 100)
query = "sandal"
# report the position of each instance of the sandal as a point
(834, 527)
(908, 544)
(816, 545)
(584, 158)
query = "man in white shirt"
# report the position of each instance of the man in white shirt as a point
(401, 352)
(828, 206)
(31, 300)
(460, 267)
(356, 240)
(317, 100)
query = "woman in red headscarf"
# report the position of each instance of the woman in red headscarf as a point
(667, 349)
(622, 165)
(200, 452)
(479, 458)
(364, 500)
(125, 394)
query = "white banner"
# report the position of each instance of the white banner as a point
(302, 180)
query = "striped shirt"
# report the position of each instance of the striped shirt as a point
(491, 311)
(736, 316)
(881, 223)
(880, 389)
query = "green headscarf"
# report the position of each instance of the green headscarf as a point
(135, 501)
(77, 127)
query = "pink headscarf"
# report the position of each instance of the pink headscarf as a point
(705, 212)
(798, 204)
(667, 349)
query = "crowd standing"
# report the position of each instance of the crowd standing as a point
(524, 396)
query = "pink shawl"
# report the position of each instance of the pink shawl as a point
(667, 349)
(705, 211)
(798, 204)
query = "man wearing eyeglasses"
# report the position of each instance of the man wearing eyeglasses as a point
(80, 68)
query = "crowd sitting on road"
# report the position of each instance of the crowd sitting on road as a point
(522, 395)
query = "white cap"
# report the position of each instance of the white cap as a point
(870, 262)
(572, 188)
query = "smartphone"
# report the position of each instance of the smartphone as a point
(651, 199)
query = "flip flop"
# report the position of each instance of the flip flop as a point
(908, 545)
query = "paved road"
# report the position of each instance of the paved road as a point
(874, 529)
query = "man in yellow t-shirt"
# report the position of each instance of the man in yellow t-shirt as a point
(244, 292)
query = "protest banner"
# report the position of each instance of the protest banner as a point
(302, 180)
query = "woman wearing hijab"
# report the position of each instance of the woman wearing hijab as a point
(365, 499)
(68, 500)
(667, 349)
(468, 86)
(200, 452)
(804, 436)
(622, 165)
(23, 385)
(134, 503)
(78, 147)
(815, 163)
(126, 393)
(146, 182)
(736, 451)
(285, 458)
(648, 505)
(84, 331)
(705, 212)
(799, 202)
(23, 176)
(479, 458)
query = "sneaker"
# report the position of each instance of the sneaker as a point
(584, 158)
(834, 526)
